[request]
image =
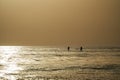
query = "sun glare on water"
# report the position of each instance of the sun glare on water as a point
(8, 60)
(9, 49)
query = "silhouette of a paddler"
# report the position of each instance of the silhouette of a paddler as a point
(68, 48)
(81, 48)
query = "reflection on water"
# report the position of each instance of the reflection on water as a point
(45, 63)
(7, 54)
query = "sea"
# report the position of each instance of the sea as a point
(57, 63)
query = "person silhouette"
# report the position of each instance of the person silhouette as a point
(81, 48)
(68, 48)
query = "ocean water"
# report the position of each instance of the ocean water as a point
(56, 63)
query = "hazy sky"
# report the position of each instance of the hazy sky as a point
(60, 22)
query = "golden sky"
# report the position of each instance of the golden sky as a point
(60, 22)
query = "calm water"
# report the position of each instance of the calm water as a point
(50, 63)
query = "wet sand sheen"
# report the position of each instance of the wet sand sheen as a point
(38, 63)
